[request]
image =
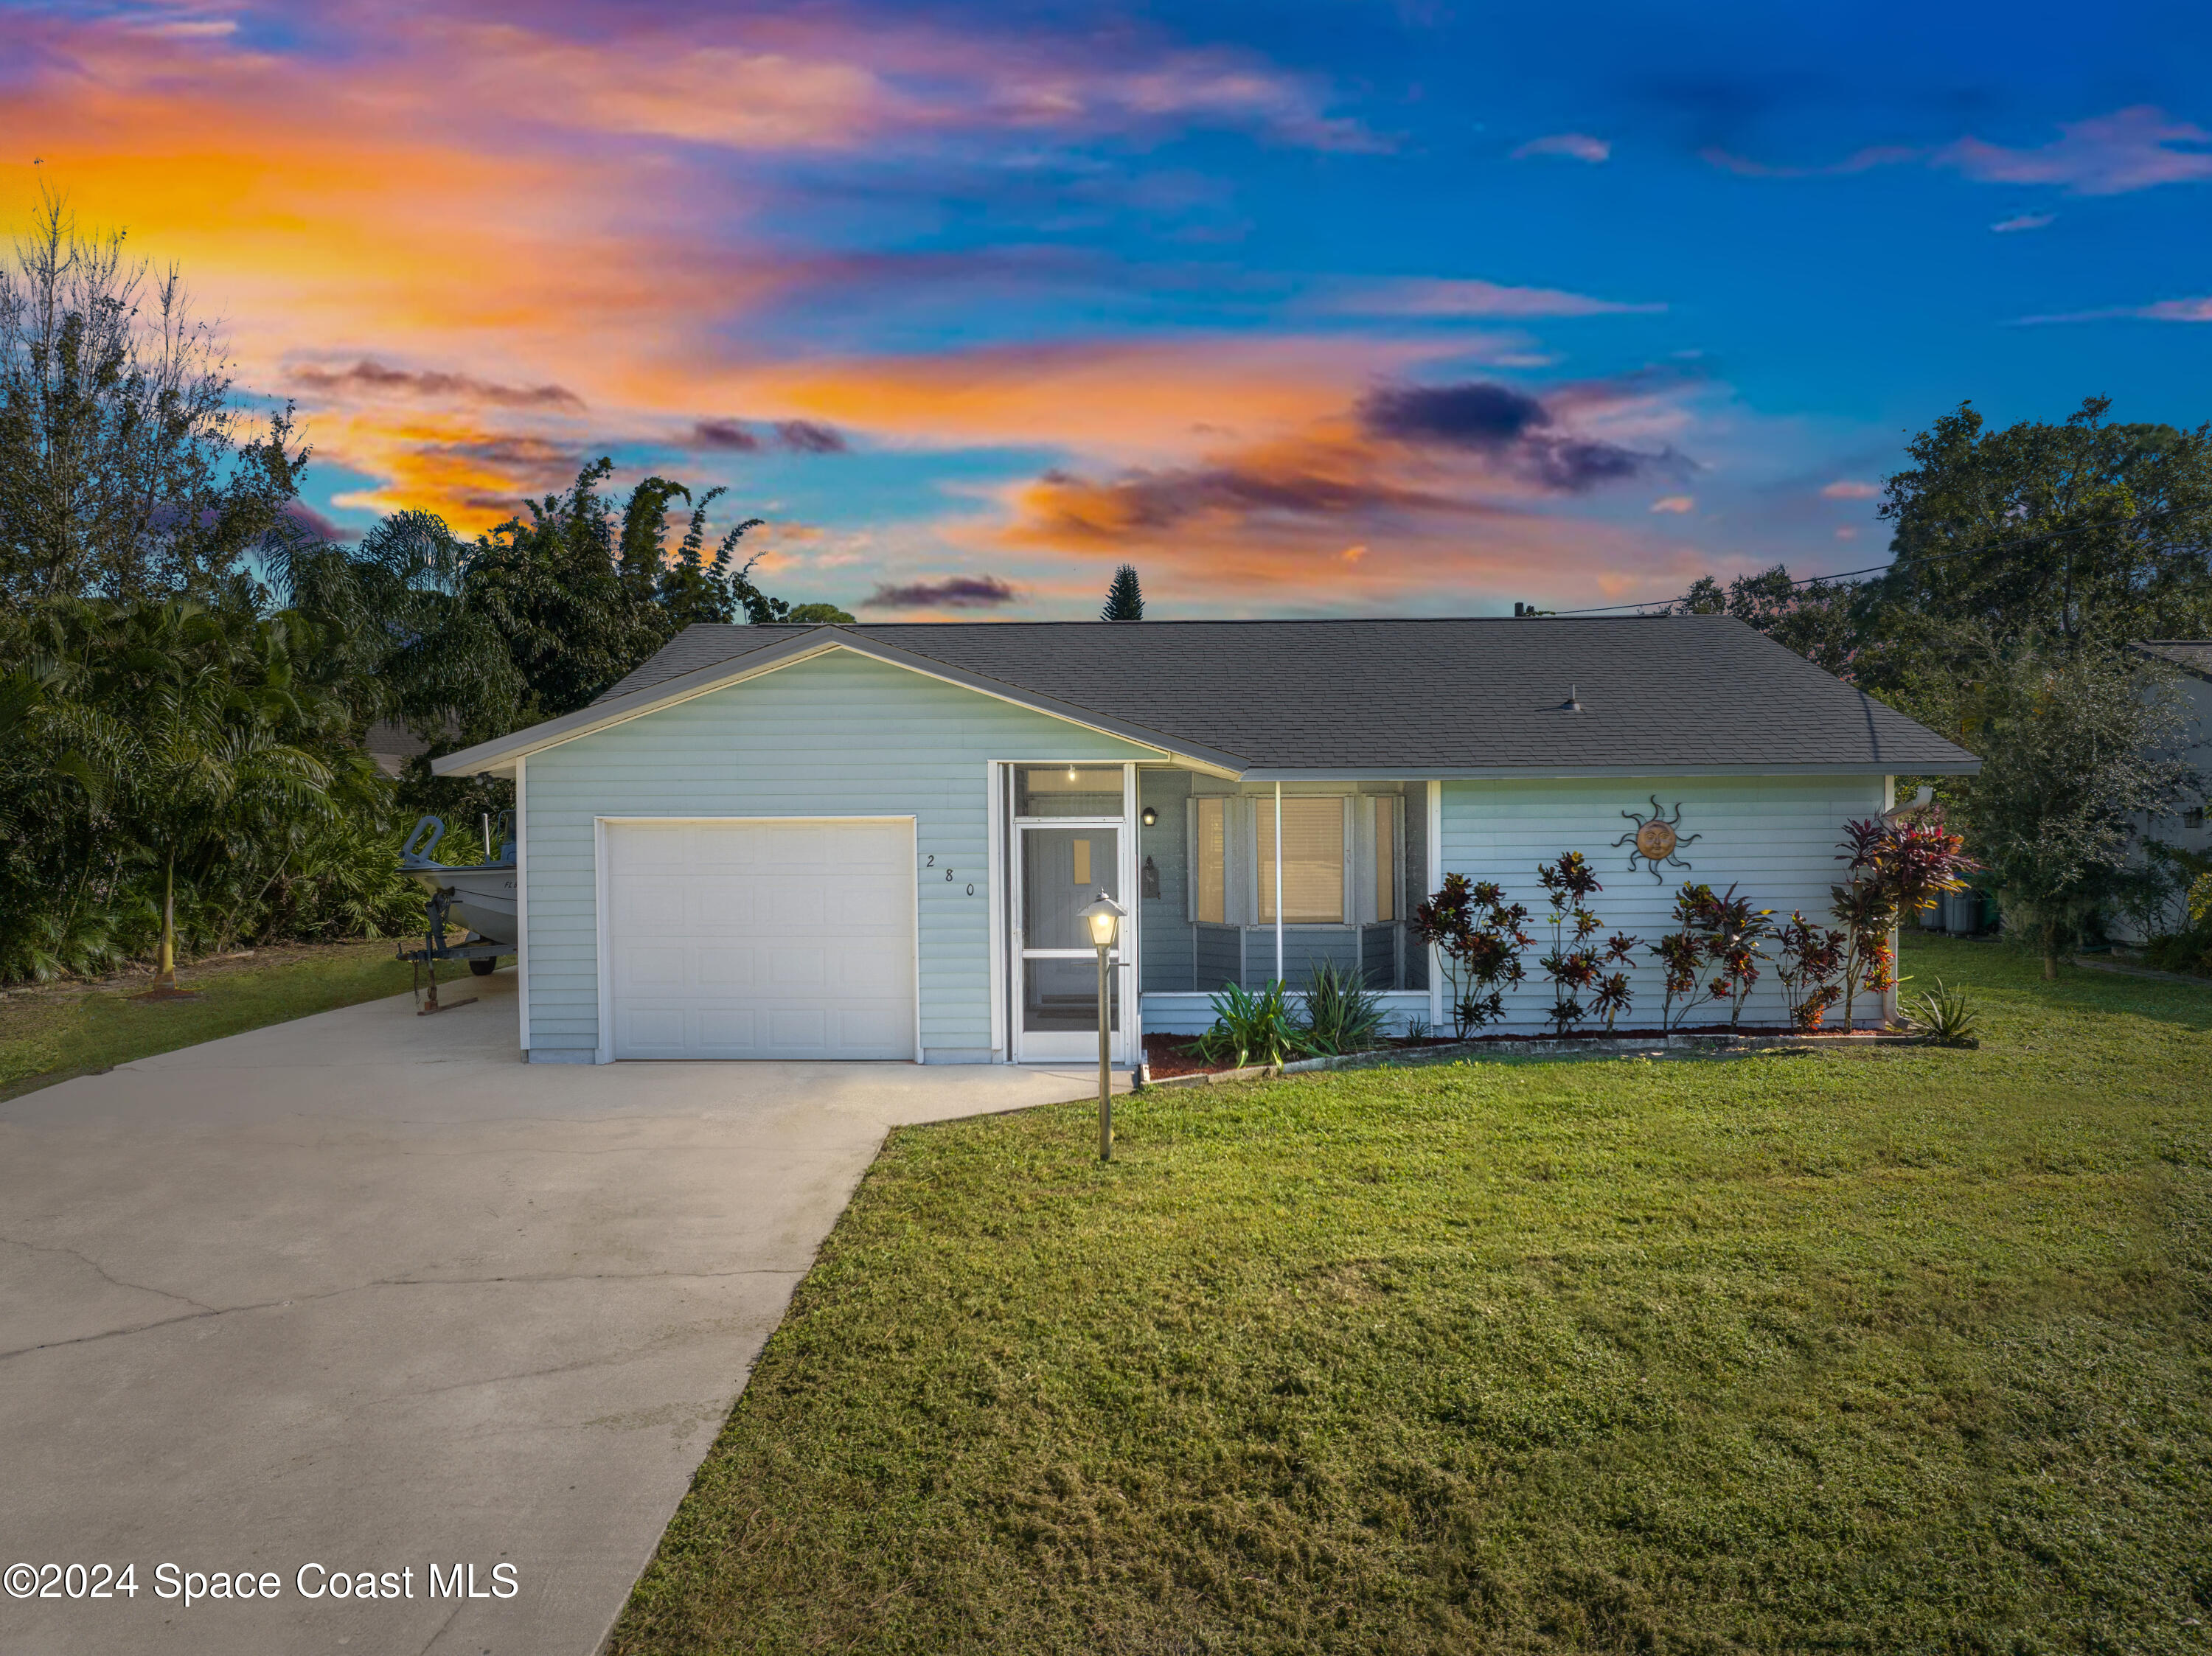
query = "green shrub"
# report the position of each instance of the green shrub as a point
(1946, 1016)
(1342, 1015)
(2181, 951)
(1250, 1028)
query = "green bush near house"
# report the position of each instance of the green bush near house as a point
(2181, 951)
(1340, 1013)
(1892, 1350)
(2190, 949)
(1253, 1028)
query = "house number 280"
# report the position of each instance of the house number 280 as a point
(931, 863)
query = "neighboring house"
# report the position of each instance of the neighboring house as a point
(392, 744)
(872, 841)
(2185, 829)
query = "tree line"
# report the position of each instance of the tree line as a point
(189, 672)
(2028, 563)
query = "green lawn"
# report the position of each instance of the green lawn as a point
(51, 1032)
(1889, 1351)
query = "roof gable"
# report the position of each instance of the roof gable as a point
(2192, 655)
(790, 646)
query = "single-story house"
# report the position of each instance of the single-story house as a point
(863, 842)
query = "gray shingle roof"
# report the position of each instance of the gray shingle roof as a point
(2191, 655)
(1392, 697)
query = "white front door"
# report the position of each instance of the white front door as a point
(1058, 871)
(761, 939)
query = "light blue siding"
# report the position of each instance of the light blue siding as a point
(1774, 837)
(1219, 954)
(836, 736)
(1413, 882)
(1166, 932)
(1378, 956)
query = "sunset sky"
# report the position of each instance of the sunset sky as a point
(1315, 308)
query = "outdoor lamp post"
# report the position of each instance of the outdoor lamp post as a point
(1104, 920)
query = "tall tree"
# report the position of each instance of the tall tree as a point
(1814, 617)
(582, 593)
(2073, 748)
(2079, 534)
(126, 467)
(1125, 599)
(168, 750)
(406, 638)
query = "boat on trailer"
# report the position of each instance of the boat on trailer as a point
(479, 895)
(475, 901)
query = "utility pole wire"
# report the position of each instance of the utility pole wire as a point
(1878, 568)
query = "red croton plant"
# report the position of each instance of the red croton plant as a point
(1896, 867)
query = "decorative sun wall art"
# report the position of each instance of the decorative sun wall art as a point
(1656, 839)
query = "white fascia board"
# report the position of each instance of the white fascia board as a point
(1570, 773)
(497, 757)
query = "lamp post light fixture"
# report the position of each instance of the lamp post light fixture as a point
(1103, 917)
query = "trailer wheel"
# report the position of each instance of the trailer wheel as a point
(483, 968)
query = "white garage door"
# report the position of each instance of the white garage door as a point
(785, 939)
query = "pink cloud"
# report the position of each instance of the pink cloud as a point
(2129, 150)
(1576, 146)
(1445, 296)
(1859, 160)
(2133, 148)
(2024, 222)
(1850, 490)
(754, 82)
(2166, 310)
(1676, 503)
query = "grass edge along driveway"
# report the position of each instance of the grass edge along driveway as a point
(51, 1032)
(1900, 1351)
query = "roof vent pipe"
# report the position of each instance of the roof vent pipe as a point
(1573, 703)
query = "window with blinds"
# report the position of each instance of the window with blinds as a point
(1210, 881)
(1313, 861)
(1344, 863)
(1384, 815)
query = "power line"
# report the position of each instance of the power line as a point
(1877, 568)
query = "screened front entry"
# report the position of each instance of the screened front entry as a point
(1068, 840)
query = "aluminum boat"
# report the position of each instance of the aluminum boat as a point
(479, 895)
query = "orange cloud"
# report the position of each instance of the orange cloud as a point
(1445, 487)
(1123, 398)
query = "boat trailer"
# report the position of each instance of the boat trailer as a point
(482, 956)
(484, 893)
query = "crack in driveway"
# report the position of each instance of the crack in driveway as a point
(103, 1272)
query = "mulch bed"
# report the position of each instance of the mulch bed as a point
(1175, 1055)
(1178, 1055)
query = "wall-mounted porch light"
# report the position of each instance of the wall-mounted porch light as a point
(1150, 817)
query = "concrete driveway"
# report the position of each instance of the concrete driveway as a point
(363, 1295)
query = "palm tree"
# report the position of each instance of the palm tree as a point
(187, 720)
